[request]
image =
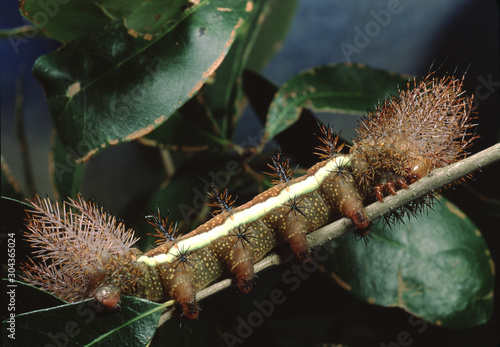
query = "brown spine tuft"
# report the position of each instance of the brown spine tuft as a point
(73, 243)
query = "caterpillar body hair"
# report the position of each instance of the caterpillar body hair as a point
(86, 253)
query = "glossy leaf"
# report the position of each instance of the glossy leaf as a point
(190, 129)
(64, 20)
(223, 95)
(146, 17)
(87, 324)
(346, 88)
(438, 267)
(109, 87)
(67, 21)
(208, 121)
(274, 29)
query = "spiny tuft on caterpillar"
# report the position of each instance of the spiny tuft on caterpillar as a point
(86, 253)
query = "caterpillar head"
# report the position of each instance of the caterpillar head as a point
(419, 167)
(107, 284)
(120, 275)
(108, 296)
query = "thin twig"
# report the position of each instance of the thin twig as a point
(437, 179)
(26, 31)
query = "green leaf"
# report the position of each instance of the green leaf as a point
(145, 17)
(119, 9)
(438, 267)
(223, 96)
(65, 174)
(87, 324)
(64, 22)
(346, 88)
(209, 120)
(68, 21)
(276, 23)
(189, 129)
(110, 87)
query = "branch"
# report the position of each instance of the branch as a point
(26, 31)
(436, 179)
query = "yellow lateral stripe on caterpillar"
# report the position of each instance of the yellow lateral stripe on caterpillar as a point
(250, 214)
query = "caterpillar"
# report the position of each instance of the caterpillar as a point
(86, 253)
